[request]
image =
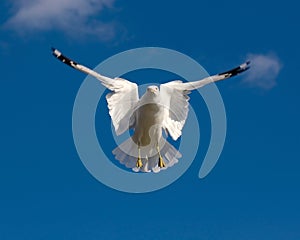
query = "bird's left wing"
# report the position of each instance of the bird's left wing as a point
(121, 101)
(174, 97)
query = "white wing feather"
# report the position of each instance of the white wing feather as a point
(121, 104)
(175, 101)
(121, 101)
(174, 96)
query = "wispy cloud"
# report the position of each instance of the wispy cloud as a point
(74, 17)
(264, 71)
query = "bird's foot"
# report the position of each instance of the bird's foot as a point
(161, 162)
(139, 163)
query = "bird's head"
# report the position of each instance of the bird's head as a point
(153, 90)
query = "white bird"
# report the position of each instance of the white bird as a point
(160, 108)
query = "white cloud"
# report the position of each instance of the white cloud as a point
(263, 72)
(74, 17)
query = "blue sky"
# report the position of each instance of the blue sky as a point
(252, 193)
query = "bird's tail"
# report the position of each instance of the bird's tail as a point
(128, 154)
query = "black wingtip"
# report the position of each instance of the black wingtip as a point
(235, 71)
(245, 66)
(56, 53)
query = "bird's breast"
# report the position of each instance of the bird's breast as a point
(150, 113)
(148, 122)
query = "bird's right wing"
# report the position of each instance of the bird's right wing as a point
(175, 98)
(121, 101)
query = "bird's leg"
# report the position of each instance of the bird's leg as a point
(139, 162)
(161, 162)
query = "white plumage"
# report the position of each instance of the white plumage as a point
(160, 108)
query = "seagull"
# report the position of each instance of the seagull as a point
(163, 108)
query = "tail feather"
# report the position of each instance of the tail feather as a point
(127, 154)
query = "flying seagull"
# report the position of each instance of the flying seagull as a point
(160, 108)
